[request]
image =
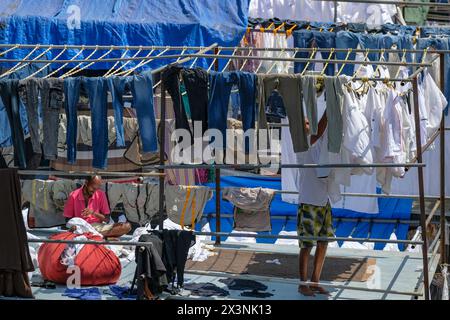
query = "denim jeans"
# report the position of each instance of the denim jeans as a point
(9, 93)
(310, 39)
(438, 44)
(97, 89)
(221, 84)
(434, 31)
(29, 93)
(52, 97)
(396, 29)
(117, 86)
(346, 39)
(72, 95)
(142, 91)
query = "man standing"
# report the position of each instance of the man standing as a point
(91, 204)
(314, 213)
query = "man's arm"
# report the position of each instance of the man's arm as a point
(321, 129)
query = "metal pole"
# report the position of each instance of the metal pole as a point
(217, 177)
(442, 166)
(162, 143)
(421, 189)
(328, 239)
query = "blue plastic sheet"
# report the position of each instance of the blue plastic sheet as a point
(120, 23)
(390, 209)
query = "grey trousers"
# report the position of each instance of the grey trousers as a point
(334, 100)
(289, 87)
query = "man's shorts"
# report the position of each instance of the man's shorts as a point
(314, 221)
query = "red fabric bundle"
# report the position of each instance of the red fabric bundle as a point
(98, 265)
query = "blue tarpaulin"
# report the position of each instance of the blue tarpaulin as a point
(390, 209)
(120, 23)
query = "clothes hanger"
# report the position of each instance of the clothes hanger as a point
(278, 28)
(65, 64)
(403, 59)
(328, 61)
(45, 66)
(16, 66)
(214, 60)
(245, 60)
(143, 62)
(364, 80)
(9, 50)
(69, 72)
(345, 60)
(75, 71)
(313, 53)
(119, 71)
(229, 61)
(35, 58)
(289, 32)
(106, 75)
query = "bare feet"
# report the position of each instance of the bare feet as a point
(319, 290)
(306, 291)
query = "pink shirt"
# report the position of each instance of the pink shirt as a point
(75, 205)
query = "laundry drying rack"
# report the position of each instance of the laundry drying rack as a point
(214, 54)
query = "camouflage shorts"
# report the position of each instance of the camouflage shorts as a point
(314, 221)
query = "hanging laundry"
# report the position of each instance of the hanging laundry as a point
(9, 93)
(39, 193)
(150, 275)
(185, 204)
(252, 208)
(15, 260)
(176, 245)
(195, 82)
(221, 84)
(140, 201)
(289, 87)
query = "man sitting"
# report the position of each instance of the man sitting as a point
(90, 203)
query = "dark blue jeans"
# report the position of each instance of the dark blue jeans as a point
(9, 93)
(142, 91)
(72, 94)
(117, 87)
(97, 89)
(311, 39)
(221, 84)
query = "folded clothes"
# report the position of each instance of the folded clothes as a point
(83, 294)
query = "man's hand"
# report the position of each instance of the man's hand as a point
(87, 212)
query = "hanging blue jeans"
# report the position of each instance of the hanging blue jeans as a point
(72, 94)
(117, 87)
(438, 44)
(9, 93)
(142, 91)
(221, 84)
(310, 39)
(97, 89)
(347, 40)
